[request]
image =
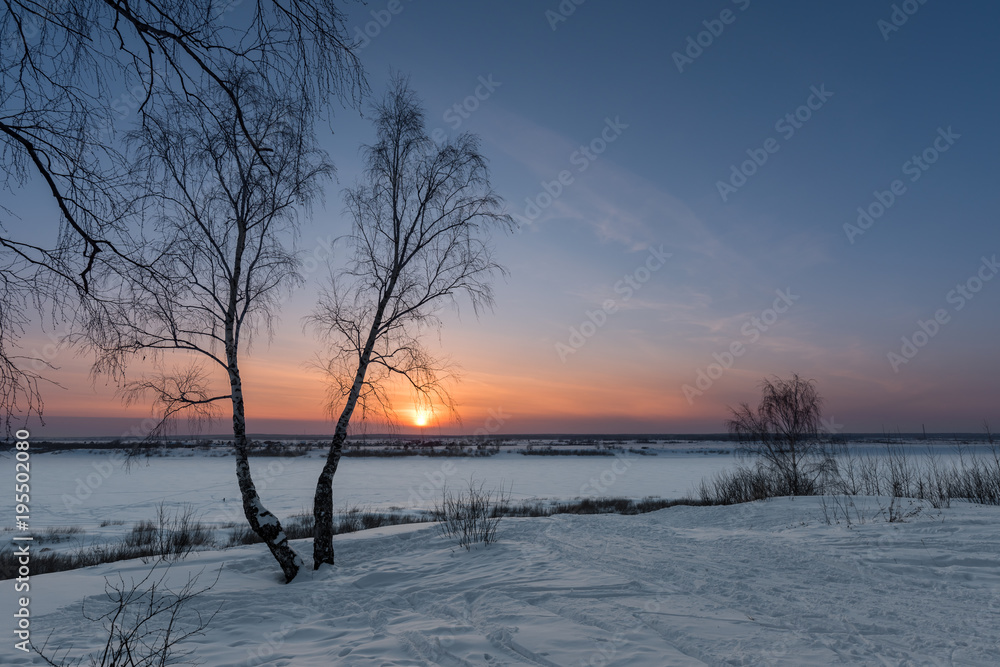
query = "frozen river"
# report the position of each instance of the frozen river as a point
(86, 489)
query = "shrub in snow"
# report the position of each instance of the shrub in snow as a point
(473, 515)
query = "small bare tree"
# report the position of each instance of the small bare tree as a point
(217, 260)
(783, 432)
(145, 622)
(421, 223)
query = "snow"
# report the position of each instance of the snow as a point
(264, 518)
(768, 583)
(85, 489)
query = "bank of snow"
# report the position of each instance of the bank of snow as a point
(763, 583)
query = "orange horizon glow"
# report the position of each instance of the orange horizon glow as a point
(503, 393)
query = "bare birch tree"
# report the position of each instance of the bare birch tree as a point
(73, 73)
(225, 209)
(783, 432)
(422, 216)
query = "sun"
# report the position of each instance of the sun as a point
(421, 417)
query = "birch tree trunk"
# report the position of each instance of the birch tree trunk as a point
(261, 521)
(323, 500)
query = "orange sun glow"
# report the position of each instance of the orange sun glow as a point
(421, 417)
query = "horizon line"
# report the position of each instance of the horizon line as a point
(519, 436)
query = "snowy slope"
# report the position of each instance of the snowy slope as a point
(760, 584)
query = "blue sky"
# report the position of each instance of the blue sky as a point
(669, 138)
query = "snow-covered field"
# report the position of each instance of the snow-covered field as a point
(769, 583)
(778, 582)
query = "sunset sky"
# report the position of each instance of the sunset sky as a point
(687, 177)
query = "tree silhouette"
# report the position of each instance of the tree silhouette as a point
(421, 217)
(783, 431)
(223, 211)
(74, 74)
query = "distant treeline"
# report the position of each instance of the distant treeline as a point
(398, 445)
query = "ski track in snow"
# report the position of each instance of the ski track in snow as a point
(765, 583)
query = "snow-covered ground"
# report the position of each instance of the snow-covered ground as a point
(768, 583)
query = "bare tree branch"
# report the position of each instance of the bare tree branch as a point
(184, 391)
(63, 62)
